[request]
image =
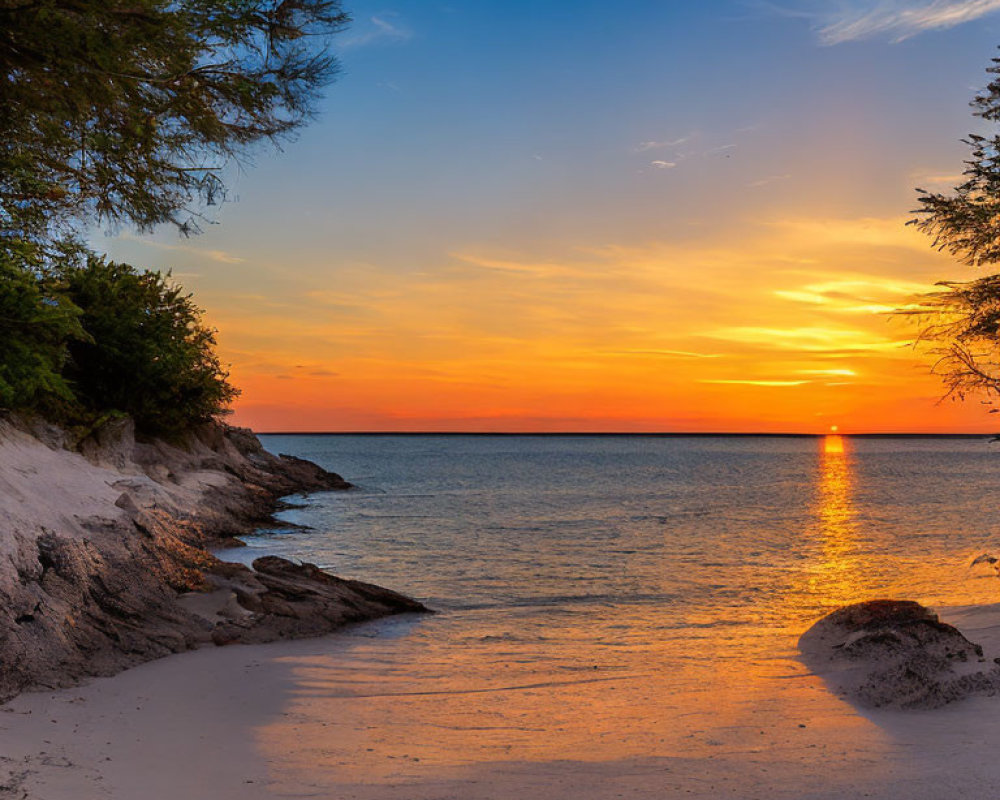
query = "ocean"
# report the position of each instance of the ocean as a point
(614, 597)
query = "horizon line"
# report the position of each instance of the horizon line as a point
(660, 434)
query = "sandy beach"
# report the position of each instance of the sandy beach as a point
(338, 717)
(585, 647)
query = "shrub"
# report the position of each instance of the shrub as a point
(37, 321)
(147, 353)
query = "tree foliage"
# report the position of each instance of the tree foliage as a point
(83, 336)
(967, 222)
(37, 322)
(146, 352)
(126, 110)
(961, 321)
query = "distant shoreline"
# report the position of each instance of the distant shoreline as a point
(646, 434)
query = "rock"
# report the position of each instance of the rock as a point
(896, 653)
(103, 551)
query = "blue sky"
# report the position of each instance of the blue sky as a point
(466, 137)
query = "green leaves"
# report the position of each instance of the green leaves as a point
(120, 109)
(84, 337)
(967, 223)
(961, 322)
(37, 322)
(125, 111)
(148, 353)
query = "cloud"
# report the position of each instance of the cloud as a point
(666, 353)
(378, 29)
(221, 256)
(856, 295)
(866, 231)
(540, 269)
(810, 339)
(752, 317)
(642, 147)
(769, 179)
(317, 372)
(895, 19)
(938, 179)
(663, 164)
(747, 382)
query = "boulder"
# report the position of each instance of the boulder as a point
(896, 653)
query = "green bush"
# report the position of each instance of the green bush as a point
(37, 321)
(82, 337)
(147, 353)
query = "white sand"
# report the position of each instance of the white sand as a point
(341, 718)
(44, 487)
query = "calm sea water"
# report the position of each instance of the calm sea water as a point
(696, 531)
(583, 581)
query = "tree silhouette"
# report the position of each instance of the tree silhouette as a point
(961, 321)
(126, 110)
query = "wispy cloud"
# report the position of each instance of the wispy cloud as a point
(937, 180)
(666, 353)
(806, 339)
(859, 295)
(540, 269)
(764, 318)
(839, 373)
(856, 295)
(747, 382)
(769, 179)
(642, 147)
(867, 231)
(853, 20)
(221, 256)
(385, 27)
(663, 164)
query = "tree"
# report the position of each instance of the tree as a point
(961, 322)
(126, 110)
(145, 351)
(37, 322)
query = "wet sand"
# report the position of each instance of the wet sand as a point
(352, 716)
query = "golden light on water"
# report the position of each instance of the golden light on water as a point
(610, 685)
(835, 506)
(833, 443)
(839, 575)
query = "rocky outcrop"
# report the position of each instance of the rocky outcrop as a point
(104, 559)
(897, 653)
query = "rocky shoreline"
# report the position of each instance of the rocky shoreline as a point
(105, 555)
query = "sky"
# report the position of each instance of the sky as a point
(651, 215)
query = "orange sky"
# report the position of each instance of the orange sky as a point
(785, 330)
(573, 238)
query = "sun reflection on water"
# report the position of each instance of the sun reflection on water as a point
(841, 573)
(835, 504)
(833, 443)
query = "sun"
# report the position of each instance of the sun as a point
(834, 429)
